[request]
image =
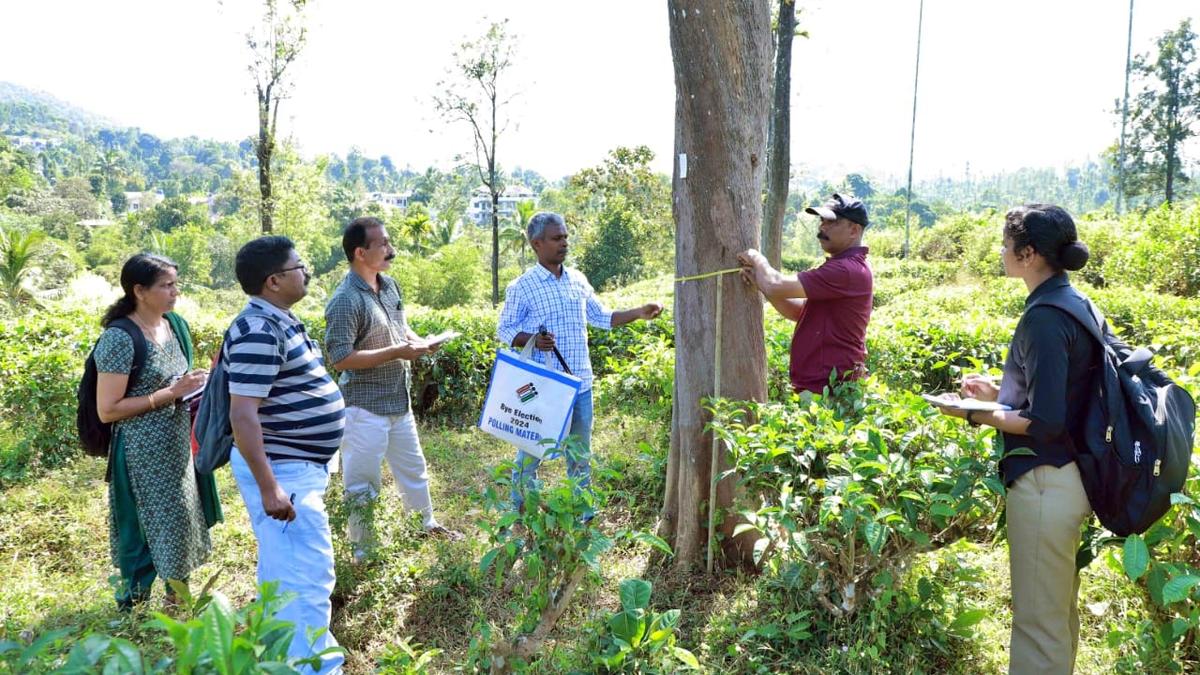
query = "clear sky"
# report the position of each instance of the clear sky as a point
(1004, 84)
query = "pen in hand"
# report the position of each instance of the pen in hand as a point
(292, 499)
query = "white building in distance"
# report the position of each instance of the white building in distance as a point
(390, 200)
(141, 201)
(480, 211)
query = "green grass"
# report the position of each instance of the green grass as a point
(54, 560)
(54, 554)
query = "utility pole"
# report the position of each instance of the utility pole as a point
(1124, 115)
(913, 131)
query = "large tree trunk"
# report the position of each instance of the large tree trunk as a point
(780, 141)
(722, 55)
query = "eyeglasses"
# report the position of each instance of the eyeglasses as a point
(303, 268)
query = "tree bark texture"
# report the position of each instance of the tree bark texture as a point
(263, 150)
(780, 137)
(722, 55)
(495, 247)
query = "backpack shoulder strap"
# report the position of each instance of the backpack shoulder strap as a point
(183, 334)
(1080, 308)
(139, 349)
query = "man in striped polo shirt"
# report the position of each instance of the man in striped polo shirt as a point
(287, 417)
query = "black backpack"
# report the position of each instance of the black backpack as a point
(94, 434)
(1137, 443)
(211, 428)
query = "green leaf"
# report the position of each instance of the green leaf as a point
(628, 626)
(741, 528)
(635, 594)
(687, 658)
(654, 542)
(964, 621)
(943, 510)
(218, 619)
(1019, 452)
(1135, 557)
(924, 589)
(876, 534)
(1179, 588)
(488, 558)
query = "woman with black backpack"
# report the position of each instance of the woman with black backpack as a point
(157, 524)
(1047, 385)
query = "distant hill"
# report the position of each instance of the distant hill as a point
(25, 111)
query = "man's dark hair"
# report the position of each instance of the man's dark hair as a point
(355, 235)
(1050, 231)
(259, 259)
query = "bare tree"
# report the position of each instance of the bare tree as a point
(473, 95)
(274, 45)
(722, 58)
(780, 137)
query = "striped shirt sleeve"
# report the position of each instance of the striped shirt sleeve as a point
(254, 358)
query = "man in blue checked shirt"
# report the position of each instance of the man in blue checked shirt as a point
(552, 295)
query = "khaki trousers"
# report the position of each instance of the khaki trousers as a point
(1044, 511)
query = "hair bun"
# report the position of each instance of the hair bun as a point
(1074, 255)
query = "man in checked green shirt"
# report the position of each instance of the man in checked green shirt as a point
(368, 339)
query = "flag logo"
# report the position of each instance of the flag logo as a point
(527, 393)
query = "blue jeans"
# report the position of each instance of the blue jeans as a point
(581, 426)
(299, 554)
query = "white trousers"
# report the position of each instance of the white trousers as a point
(366, 442)
(297, 554)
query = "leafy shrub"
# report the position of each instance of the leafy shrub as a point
(218, 638)
(925, 624)
(639, 640)
(451, 384)
(1165, 562)
(852, 485)
(406, 658)
(932, 354)
(40, 363)
(1161, 252)
(895, 278)
(971, 240)
(543, 552)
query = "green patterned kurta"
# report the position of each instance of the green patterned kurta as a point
(159, 460)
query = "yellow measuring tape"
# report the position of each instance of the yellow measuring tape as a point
(706, 275)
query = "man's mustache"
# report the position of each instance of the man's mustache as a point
(390, 256)
(822, 236)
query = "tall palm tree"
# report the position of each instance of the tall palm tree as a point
(512, 235)
(17, 252)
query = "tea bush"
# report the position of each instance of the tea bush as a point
(214, 637)
(1161, 251)
(40, 362)
(855, 483)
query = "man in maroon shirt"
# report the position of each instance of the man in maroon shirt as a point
(831, 304)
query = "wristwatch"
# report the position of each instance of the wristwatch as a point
(971, 420)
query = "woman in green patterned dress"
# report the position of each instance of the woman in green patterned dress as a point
(157, 525)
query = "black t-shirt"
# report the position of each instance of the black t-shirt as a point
(1048, 377)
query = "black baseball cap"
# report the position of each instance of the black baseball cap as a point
(837, 206)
